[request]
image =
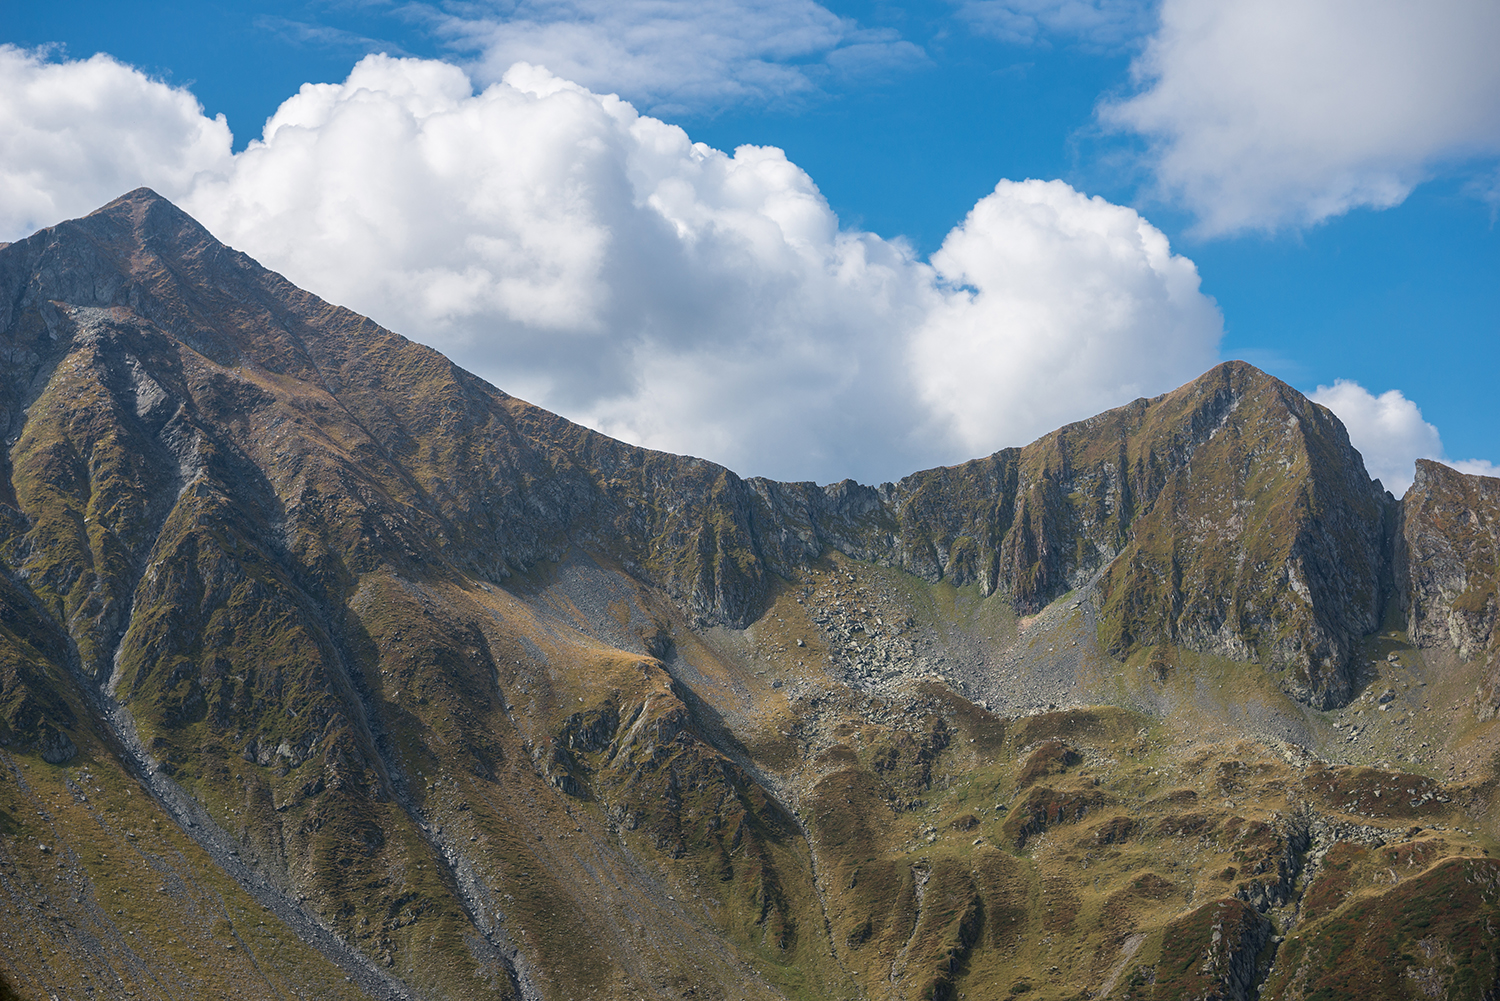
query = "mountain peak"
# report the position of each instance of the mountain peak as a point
(151, 219)
(139, 244)
(135, 228)
(135, 204)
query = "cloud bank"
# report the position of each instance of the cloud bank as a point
(1264, 114)
(1390, 433)
(600, 263)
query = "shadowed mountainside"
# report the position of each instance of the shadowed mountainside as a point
(325, 658)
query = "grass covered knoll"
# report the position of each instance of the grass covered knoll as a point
(1159, 862)
(1407, 929)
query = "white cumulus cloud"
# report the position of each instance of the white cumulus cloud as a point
(1262, 114)
(1475, 467)
(675, 55)
(1390, 433)
(1065, 305)
(598, 262)
(76, 134)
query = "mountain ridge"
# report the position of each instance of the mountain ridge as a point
(722, 574)
(472, 687)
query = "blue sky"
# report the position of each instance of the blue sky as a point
(905, 116)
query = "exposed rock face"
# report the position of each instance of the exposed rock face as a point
(1231, 516)
(1265, 540)
(1448, 561)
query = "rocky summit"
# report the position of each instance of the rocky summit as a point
(329, 670)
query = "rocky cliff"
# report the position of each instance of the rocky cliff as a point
(1230, 516)
(1449, 566)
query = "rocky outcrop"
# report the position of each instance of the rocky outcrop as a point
(1231, 516)
(1448, 561)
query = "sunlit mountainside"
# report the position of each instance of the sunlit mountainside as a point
(328, 669)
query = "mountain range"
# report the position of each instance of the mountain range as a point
(328, 669)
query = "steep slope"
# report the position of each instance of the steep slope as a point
(201, 527)
(444, 694)
(1230, 516)
(1449, 562)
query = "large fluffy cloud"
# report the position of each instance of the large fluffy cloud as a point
(1062, 304)
(1268, 113)
(674, 55)
(1390, 433)
(73, 135)
(599, 262)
